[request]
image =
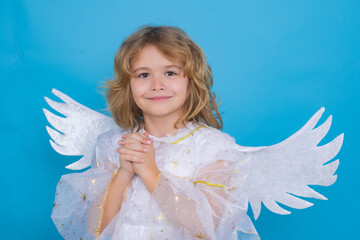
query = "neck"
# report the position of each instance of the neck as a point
(160, 127)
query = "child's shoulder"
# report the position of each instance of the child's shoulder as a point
(213, 144)
(212, 136)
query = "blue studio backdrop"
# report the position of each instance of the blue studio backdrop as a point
(275, 63)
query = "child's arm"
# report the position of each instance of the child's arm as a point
(115, 195)
(117, 187)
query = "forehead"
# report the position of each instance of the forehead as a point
(150, 56)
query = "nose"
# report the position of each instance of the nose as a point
(157, 84)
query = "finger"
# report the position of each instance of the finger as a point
(135, 133)
(132, 158)
(125, 135)
(136, 146)
(148, 140)
(140, 137)
(131, 140)
(144, 135)
(127, 151)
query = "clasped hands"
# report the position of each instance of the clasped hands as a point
(137, 156)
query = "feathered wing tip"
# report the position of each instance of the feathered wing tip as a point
(315, 118)
(63, 96)
(256, 207)
(84, 162)
(310, 124)
(55, 121)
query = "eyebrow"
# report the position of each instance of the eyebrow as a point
(167, 66)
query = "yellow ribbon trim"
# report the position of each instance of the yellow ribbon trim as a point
(209, 184)
(188, 135)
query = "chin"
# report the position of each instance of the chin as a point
(159, 114)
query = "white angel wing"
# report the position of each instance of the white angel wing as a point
(280, 171)
(76, 134)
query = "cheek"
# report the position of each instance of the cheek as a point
(182, 87)
(136, 89)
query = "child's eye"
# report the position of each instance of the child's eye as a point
(143, 75)
(170, 73)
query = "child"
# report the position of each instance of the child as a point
(165, 170)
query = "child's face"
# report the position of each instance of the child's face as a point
(158, 84)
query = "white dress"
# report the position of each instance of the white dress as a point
(198, 194)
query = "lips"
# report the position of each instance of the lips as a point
(159, 98)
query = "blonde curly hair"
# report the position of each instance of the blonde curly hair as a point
(174, 43)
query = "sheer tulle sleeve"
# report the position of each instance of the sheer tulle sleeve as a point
(77, 210)
(208, 206)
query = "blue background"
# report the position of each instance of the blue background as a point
(275, 63)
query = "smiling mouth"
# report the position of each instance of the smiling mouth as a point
(159, 99)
